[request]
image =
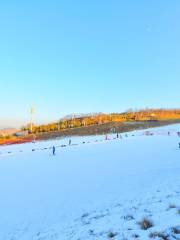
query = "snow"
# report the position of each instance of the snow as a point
(88, 190)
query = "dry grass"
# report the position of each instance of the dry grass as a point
(145, 224)
(176, 230)
(171, 206)
(111, 235)
(159, 235)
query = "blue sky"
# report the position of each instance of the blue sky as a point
(87, 56)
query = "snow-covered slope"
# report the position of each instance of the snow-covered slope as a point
(91, 190)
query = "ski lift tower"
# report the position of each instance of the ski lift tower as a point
(32, 112)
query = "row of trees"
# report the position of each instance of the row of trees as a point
(80, 121)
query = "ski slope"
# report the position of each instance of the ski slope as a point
(92, 189)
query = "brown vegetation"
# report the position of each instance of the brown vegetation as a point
(98, 119)
(145, 224)
(97, 124)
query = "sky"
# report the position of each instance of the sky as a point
(80, 56)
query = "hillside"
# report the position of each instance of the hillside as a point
(99, 119)
(7, 131)
(93, 124)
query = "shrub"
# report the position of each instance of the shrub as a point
(176, 230)
(159, 235)
(172, 206)
(128, 217)
(111, 235)
(145, 224)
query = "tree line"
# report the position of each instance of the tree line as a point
(97, 119)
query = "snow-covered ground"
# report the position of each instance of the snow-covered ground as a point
(94, 190)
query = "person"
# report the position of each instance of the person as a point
(69, 142)
(117, 135)
(179, 145)
(54, 150)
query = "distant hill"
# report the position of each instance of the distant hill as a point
(85, 120)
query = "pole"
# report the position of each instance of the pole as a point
(32, 118)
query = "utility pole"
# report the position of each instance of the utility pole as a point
(32, 112)
(73, 117)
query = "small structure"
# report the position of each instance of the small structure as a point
(21, 133)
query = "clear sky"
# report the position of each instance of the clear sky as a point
(87, 56)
